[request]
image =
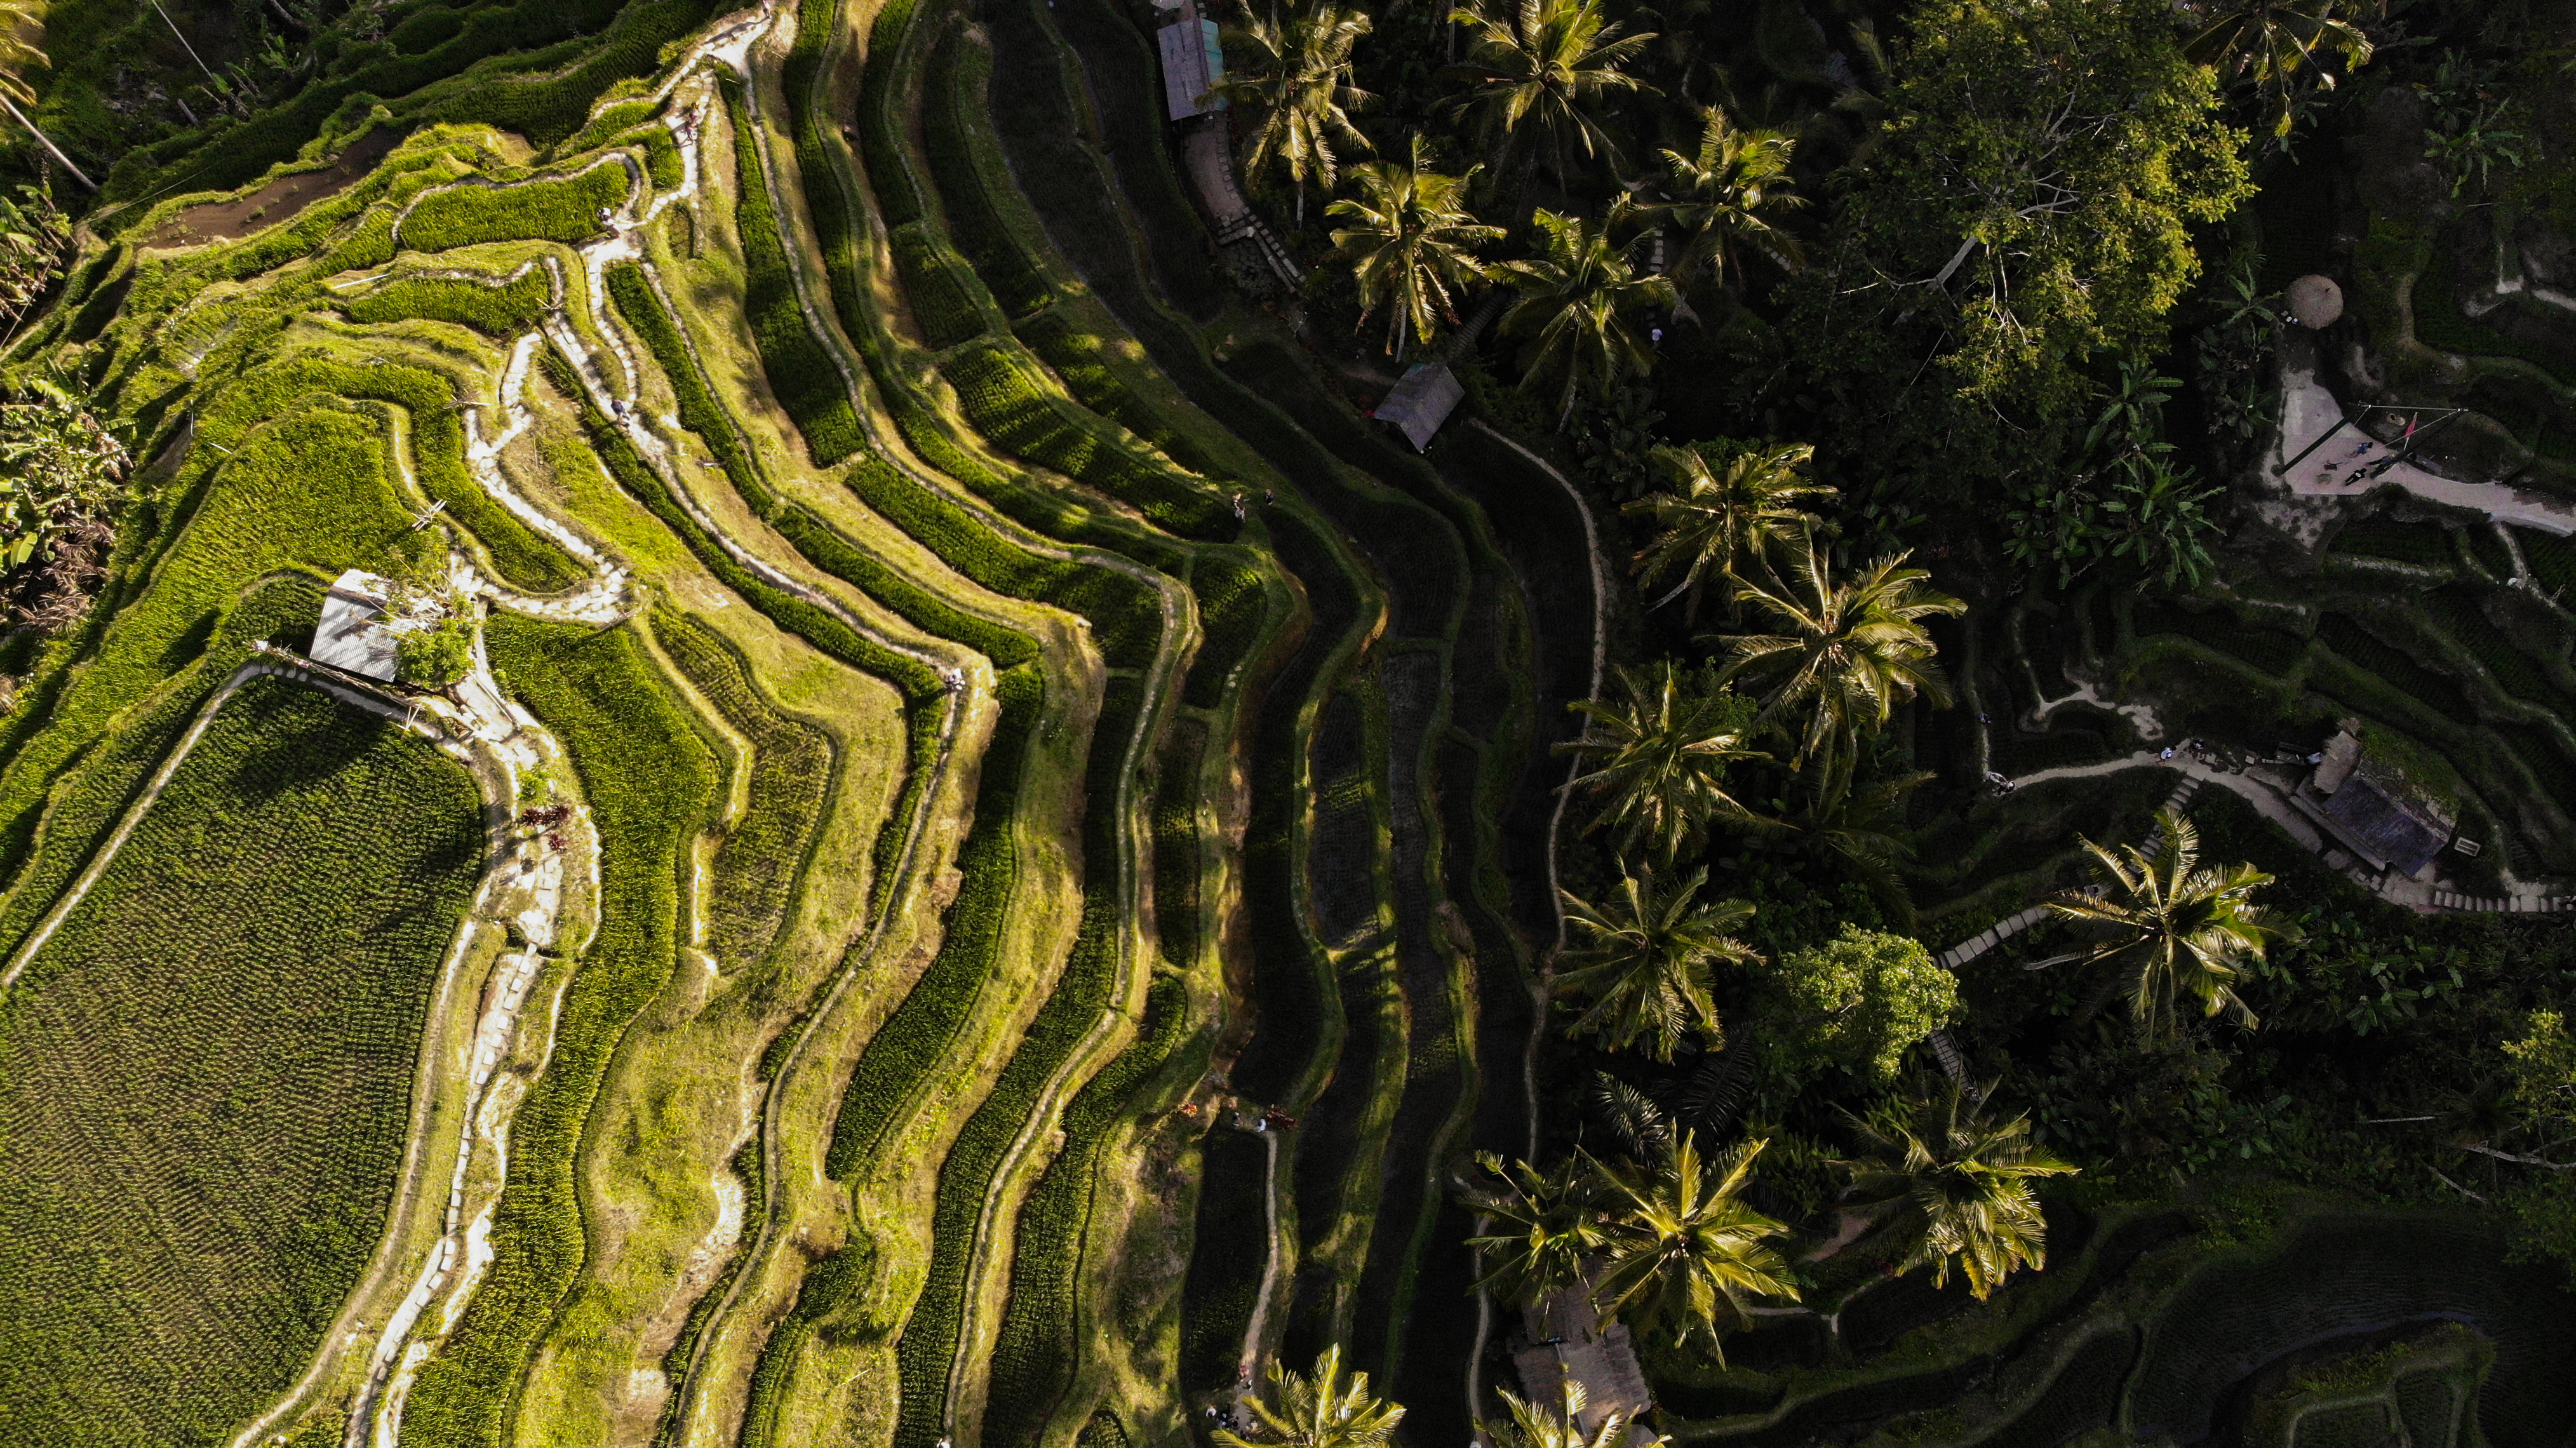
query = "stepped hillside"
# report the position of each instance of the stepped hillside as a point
(966, 722)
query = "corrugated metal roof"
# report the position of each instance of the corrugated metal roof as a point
(1193, 61)
(2384, 829)
(1421, 401)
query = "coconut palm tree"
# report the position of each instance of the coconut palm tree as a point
(1544, 66)
(1859, 823)
(1722, 199)
(1323, 1411)
(1685, 1255)
(1716, 516)
(2270, 41)
(2173, 927)
(1578, 309)
(1953, 1184)
(1297, 76)
(1412, 244)
(1661, 749)
(1561, 1426)
(1846, 650)
(22, 23)
(1644, 963)
(1544, 1226)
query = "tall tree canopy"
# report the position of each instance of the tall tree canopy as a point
(2028, 207)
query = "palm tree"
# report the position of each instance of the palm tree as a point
(1954, 1185)
(1859, 823)
(1298, 76)
(1717, 516)
(1578, 308)
(1661, 749)
(1645, 960)
(2270, 41)
(20, 20)
(1547, 64)
(1551, 1225)
(2172, 926)
(1561, 1427)
(1411, 243)
(1720, 195)
(1847, 650)
(1324, 1411)
(1685, 1253)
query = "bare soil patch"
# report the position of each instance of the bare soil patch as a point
(277, 201)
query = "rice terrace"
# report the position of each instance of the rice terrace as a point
(1137, 723)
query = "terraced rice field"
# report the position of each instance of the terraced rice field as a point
(970, 693)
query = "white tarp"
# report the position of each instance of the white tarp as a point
(352, 634)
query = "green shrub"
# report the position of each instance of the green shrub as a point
(651, 788)
(565, 209)
(499, 308)
(802, 374)
(179, 1238)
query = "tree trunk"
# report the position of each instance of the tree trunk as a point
(48, 143)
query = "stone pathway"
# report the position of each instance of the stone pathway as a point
(2271, 799)
(2352, 464)
(1207, 154)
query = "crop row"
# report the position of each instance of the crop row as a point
(1125, 614)
(752, 882)
(1035, 1352)
(431, 83)
(997, 250)
(565, 209)
(651, 787)
(177, 1239)
(1081, 357)
(701, 413)
(927, 1347)
(1179, 868)
(310, 490)
(946, 529)
(802, 375)
(1004, 395)
(918, 683)
(905, 1050)
(521, 556)
(85, 805)
(935, 286)
(830, 1287)
(1007, 400)
(495, 308)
